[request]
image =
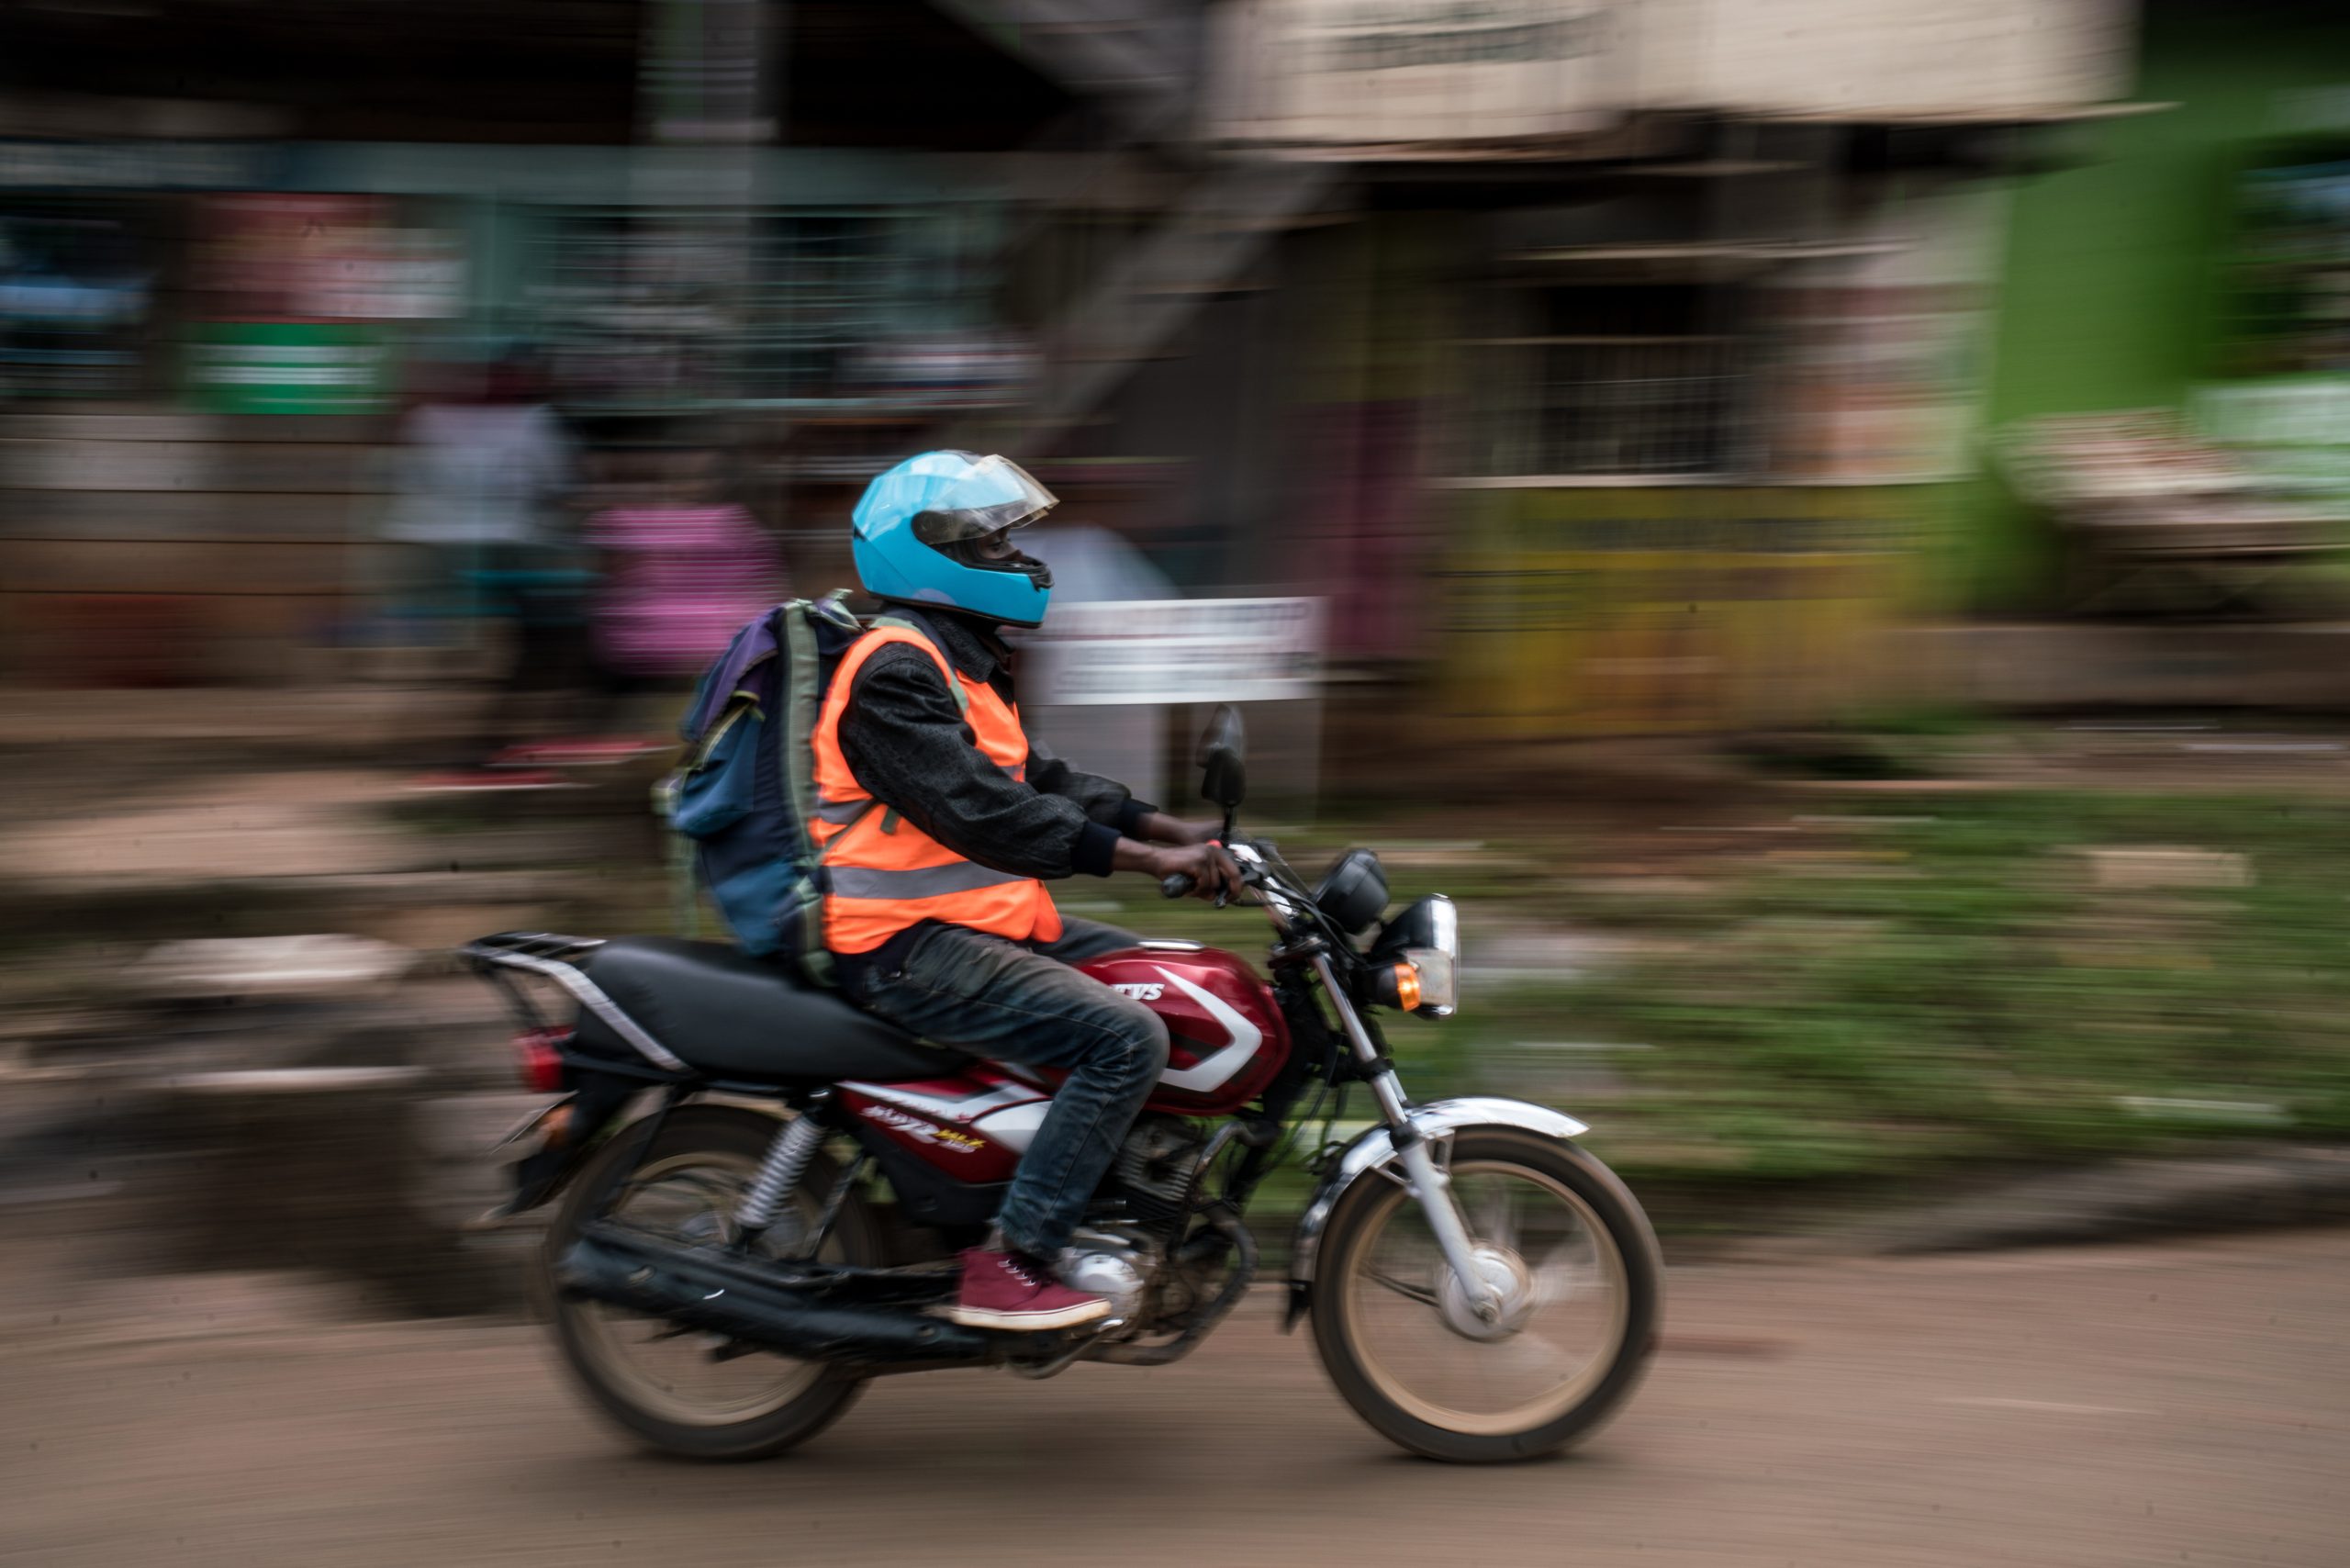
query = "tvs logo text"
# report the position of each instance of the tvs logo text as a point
(926, 1132)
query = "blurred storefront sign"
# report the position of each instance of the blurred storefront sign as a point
(1368, 71)
(298, 293)
(1372, 72)
(1690, 608)
(1180, 650)
(290, 367)
(322, 258)
(327, 258)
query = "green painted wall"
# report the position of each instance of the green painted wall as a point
(2111, 296)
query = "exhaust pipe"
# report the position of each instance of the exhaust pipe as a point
(726, 1297)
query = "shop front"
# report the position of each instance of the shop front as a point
(1644, 386)
(1696, 484)
(205, 352)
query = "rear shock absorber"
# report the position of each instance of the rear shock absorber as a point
(786, 1162)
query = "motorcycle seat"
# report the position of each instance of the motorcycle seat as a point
(739, 1017)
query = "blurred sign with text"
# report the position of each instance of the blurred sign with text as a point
(1370, 71)
(1179, 650)
(290, 367)
(1340, 73)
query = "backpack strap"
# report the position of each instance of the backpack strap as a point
(685, 892)
(800, 695)
(801, 699)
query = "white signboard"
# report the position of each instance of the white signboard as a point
(1178, 650)
(1371, 73)
(1379, 71)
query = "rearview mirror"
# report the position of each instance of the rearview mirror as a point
(1224, 778)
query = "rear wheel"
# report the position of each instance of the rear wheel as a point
(666, 1385)
(1580, 1285)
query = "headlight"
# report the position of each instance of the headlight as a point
(1421, 949)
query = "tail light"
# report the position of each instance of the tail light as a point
(538, 1058)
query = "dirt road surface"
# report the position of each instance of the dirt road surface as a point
(2180, 1404)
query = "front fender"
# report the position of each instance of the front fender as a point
(1376, 1149)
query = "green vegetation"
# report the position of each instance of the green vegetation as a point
(1969, 985)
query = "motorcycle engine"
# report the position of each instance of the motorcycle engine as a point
(1124, 1261)
(1116, 1263)
(1155, 1168)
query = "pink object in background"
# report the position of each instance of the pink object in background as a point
(680, 581)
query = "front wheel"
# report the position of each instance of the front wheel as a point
(1580, 1282)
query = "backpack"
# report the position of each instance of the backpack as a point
(740, 803)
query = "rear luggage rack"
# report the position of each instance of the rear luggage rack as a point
(544, 953)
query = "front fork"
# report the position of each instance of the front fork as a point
(1424, 1176)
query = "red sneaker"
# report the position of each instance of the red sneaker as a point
(1004, 1289)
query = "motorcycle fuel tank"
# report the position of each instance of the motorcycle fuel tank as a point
(1227, 1041)
(1226, 1037)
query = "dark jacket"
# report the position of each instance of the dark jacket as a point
(904, 739)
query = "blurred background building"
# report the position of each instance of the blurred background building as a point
(1605, 367)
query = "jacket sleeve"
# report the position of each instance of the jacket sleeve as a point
(1104, 800)
(907, 744)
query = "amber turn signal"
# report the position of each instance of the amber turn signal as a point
(1407, 986)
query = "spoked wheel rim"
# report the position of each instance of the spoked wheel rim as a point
(1564, 1304)
(690, 1197)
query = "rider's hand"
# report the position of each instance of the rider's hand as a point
(1157, 827)
(1213, 872)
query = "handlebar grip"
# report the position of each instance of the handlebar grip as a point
(1177, 885)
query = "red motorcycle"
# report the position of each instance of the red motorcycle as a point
(725, 1272)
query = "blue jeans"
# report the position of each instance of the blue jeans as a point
(1023, 1002)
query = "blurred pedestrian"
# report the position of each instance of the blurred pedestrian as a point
(681, 565)
(484, 465)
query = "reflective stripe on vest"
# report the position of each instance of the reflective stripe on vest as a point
(922, 882)
(883, 874)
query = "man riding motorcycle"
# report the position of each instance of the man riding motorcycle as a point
(940, 823)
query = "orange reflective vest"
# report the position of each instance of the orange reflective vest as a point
(882, 873)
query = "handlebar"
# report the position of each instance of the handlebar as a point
(1260, 870)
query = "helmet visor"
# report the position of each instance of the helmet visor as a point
(994, 493)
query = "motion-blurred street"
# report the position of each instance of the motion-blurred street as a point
(1824, 527)
(2122, 1406)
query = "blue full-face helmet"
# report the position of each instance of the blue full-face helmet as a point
(926, 533)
